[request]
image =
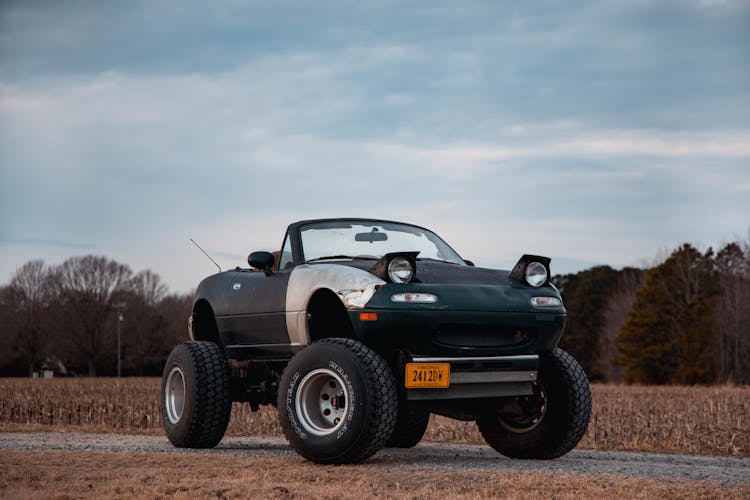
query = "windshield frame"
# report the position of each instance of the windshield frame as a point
(295, 232)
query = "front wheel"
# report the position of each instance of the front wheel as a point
(337, 402)
(411, 425)
(550, 422)
(195, 402)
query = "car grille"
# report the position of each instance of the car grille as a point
(483, 335)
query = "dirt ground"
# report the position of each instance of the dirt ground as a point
(89, 474)
(692, 420)
(701, 421)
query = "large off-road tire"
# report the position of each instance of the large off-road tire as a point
(337, 402)
(195, 401)
(551, 422)
(411, 424)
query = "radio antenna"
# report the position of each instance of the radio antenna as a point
(204, 253)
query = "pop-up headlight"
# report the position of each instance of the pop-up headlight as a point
(532, 270)
(536, 274)
(400, 270)
(397, 267)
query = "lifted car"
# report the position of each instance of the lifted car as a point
(358, 329)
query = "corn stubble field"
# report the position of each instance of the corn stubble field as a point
(96, 475)
(694, 420)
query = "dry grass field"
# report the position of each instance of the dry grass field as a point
(695, 420)
(90, 475)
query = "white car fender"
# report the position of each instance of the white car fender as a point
(353, 286)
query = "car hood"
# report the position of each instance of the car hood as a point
(430, 272)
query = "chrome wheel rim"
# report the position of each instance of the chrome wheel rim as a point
(322, 402)
(174, 394)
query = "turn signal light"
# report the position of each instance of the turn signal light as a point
(426, 298)
(368, 316)
(546, 301)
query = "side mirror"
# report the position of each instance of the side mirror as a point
(469, 263)
(262, 261)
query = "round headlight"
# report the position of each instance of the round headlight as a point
(400, 270)
(536, 274)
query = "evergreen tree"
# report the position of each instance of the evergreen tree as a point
(667, 336)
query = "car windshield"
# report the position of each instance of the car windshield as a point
(371, 240)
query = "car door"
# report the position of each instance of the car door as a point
(255, 308)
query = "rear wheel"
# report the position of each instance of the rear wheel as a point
(337, 402)
(550, 422)
(195, 403)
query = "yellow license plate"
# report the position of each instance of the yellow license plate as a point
(428, 375)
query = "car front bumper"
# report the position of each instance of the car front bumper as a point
(481, 377)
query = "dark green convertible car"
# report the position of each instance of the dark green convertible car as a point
(358, 329)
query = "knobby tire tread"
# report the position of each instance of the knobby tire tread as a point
(213, 404)
(381, 423)
(577, 414)
(381, 410)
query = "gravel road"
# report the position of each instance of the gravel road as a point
(430, 456)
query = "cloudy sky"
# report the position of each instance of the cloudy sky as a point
(598, 132)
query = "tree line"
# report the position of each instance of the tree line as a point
(64, 318)
(685, 320)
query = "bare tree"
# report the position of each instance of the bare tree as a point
(148, 287)
(615, 315)
(88, 287)
(30, 289)
(145, 324)
(176, 310)
(9, 319)
(731, 358)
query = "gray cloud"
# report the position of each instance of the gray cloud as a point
(594, 133)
